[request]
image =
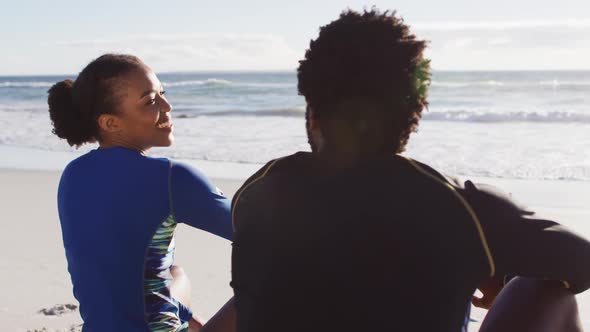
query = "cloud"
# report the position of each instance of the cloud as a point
(503, 25)
(197, 51)
(512, 45)
(537, 44)
(500, 41)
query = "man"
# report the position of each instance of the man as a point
(355, 237)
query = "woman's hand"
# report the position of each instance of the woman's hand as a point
(224, 320)
(490, 288)
(195, 324)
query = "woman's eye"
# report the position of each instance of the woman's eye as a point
(151, 102)
(163, 92)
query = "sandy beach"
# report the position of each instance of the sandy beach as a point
(33, 268)
(501, 90)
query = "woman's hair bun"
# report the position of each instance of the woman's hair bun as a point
(68, 121)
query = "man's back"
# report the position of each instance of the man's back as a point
(385, 245)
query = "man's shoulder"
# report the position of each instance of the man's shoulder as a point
(282, 164)
(427, 171)
(290, 162)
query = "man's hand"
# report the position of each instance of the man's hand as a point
(490, 288)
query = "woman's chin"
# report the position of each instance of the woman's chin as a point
(168, 141)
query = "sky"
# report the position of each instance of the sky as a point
(62, 36)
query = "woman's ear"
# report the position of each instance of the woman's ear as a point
(108, 123)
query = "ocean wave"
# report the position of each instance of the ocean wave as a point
(23, 106)
(12, 84)
(449, 116)
(511, 84)
(209, 81)
(221, 82)
(557, 83)
(496, 117)
(552, 151)
(285, 112)
(455, 84)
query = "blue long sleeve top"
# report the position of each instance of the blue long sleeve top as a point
(112, 205)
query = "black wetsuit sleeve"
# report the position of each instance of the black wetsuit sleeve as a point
(524, 244)
(251, 180)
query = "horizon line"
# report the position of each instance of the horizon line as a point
(285, 71)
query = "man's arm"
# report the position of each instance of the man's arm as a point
(526, 245)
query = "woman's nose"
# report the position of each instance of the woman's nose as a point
(166, 107)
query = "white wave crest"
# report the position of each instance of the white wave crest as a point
(450, 84)
(513, 84)
(557, 83)
(209, 81)
(280, 112)
(221, 82)
(494, 117)
(11, 84)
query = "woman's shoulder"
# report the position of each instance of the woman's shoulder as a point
(181, 172)
(117, 160)
(80, 162)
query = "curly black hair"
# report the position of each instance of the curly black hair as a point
(74, 106)
(370, 62)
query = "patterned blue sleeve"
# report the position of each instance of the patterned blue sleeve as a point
(197, 202)
(184, 313)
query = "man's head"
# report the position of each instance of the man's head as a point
(365, 83)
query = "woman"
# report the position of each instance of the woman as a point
(118, 208)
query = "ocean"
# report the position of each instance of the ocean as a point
(524, 125)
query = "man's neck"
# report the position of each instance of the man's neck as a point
(342, 158)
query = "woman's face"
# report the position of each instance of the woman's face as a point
(144, 113)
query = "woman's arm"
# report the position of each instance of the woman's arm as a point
(197, 202)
